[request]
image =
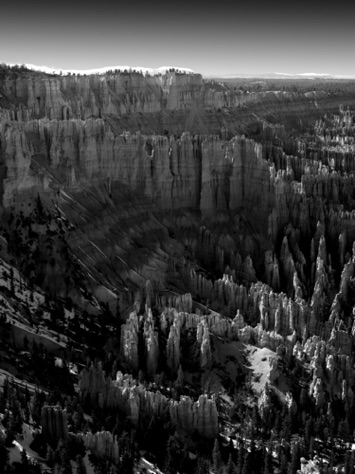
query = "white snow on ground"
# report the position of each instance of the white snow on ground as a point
(259, 361)
(23, 442)
(260, 365)
(150, 467)
(23, 294)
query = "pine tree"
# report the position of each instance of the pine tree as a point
(80, 466)
(343, 430)
(39, 205)
(12, 282)
(203, 466)
(169, 457)
(295, 459)
(4, 454)
(240, 459)
(283, 464)
(230, 468)
(268, 460)
(347, 463)
(24, 460)
(36, 406)
(50, 457)
(311, 448)
(352, 463)
(247, 465)
(65, 459)
(216, 457)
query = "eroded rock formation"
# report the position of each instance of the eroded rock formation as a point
(54, 423)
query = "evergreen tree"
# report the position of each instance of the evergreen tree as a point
(4, 454)
(36, 406)
(169, 457)
(80, 466)
(203, 466)
(12, 282)
(283, 464)
(24, 461)
(216, 457)
(331, 461)
(240, 459)
(50, 457)
(246, 464)
(344, 430)
(39, 204)
(268, 460)
(230, 467)
(311, 447)
(347, 463)
(352, 462)
(295, 459)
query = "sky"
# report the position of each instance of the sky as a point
(210, 38)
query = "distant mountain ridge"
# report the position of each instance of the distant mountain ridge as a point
(103, 70)
(281, 75)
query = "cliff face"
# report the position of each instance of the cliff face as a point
(203, 173)
(153, 104)
(63, 97)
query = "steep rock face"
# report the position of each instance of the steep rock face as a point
(71, 96)
(54, 423)
(204, 173)
(234, 175)
(62, 97)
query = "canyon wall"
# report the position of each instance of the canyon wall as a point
(39, 95)
(198, 172)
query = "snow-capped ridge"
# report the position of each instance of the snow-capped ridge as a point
(303, 74)
(103, 70)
